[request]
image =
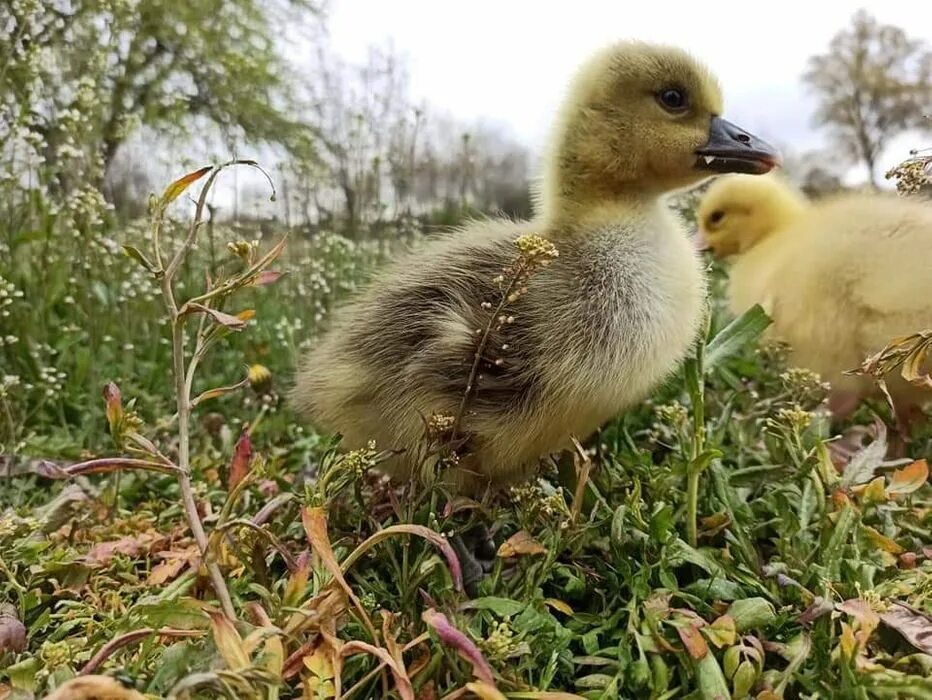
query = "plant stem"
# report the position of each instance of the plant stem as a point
(695, 381)
(184, 476)
(480, 349)
(692, 506)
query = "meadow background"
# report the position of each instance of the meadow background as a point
(707, 544)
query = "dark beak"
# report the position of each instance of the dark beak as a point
(733, 150)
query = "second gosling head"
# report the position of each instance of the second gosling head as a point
(739, 211)
(643, 119)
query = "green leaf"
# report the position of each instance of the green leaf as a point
(743, 330)
(137, 255)
(710, 679)
(503, 607)
(834, 550)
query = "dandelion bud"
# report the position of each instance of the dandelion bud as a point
(259, 378)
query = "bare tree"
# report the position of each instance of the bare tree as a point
(873, 83)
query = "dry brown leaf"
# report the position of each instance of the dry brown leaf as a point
(12, 631)
(172, 564)
(913, 625)
(882, 541)
(229, 642)
(94, 688)
(693, 640)
(239, 465)
(130, 546)
(910, 478)
(519, 544)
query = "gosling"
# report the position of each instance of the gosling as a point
(841, 277)
(594, 331)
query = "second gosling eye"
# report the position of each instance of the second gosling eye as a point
(715, 217)
(673, 100)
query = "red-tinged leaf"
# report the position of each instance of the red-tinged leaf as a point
(693, 641)
(463, 645)
(913, 625)
(114, 400)
(234, 323)
(174, 190)
(402, 682)
(910, 478)
(267, 277)
(94, 687)
(520, 544)
(426, 533)
(130, 546)
(12, 630)
(242, 457)
(315, 527)
(228, 641)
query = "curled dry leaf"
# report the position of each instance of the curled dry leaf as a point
(519, 544)
(12, 631)
(463, 645)
(234, 323)
(94, 688)
(129, 546)
(819, 607)
(239, 465)
(172, 564)
(910, 478)
(693, 641)
(402, 682)
(913, 625)
(174, 190)
(267, 277)
(229, 642)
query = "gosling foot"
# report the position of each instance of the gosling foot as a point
(476, 551)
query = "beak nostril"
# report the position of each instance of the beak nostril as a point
(743, 138)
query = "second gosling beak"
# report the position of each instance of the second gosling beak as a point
(731, 149)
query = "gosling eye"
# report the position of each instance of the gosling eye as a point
(673, 99)
(715, 217)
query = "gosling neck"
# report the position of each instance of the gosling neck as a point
(567, 207)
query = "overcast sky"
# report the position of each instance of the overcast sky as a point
(507, 61)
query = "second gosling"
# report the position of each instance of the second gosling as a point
(841, 277)
(596, 329)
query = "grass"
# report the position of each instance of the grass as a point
(703, 545)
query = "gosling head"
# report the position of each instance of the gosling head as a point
(739, 211)
(642, 119)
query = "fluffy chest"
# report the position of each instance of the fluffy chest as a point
(637, 307)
